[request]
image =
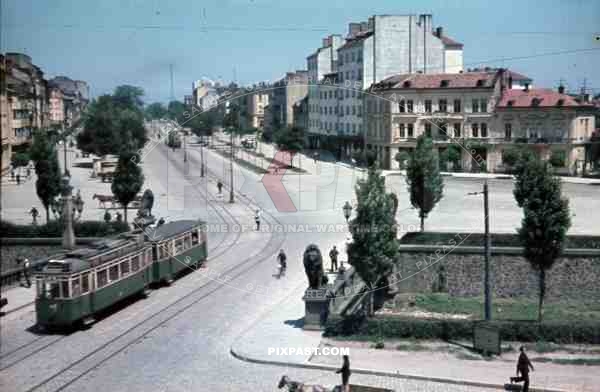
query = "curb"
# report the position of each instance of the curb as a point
(247, 358)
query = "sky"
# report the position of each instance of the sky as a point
(113, 42)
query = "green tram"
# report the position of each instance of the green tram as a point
(76, 286)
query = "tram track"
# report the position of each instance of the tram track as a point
(103, 353)
(40, 343)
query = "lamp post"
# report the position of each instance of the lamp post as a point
(347, 210)
(201, 155)
(68, 240)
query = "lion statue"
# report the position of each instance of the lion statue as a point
(313, 266)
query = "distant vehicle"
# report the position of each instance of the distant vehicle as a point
(70, 290)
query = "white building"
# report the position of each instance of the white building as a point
(373, 51)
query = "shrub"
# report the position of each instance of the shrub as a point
(387, 327)
(55, 229)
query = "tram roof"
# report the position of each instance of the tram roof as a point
(68, 265)
(171, 229)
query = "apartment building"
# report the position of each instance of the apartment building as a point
(5, 119)
(383, 46)
(253, 104)
(482, 113)
(284, 94)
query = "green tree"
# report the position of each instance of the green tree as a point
(113, 123)
(47, 169)
(425, 184)
(374, 247)
(452, 155)
(546, 220)
(515, 156)
(156, 111)
(20, 159)
(290, 139)
(128, 179)
(176, 110)
(402, 157)
(128, 97)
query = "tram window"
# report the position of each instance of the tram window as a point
(113, 273)
(148, 257)
(125, 267)
(179, 246)
(76, 286)
(52, 290)
(135, 264)
(188, 241)
(65, 288)
(39, 284)
(85, 283)
(195, 237)
(102, 278)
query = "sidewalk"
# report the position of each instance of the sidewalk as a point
(502, 176)
(281, 328)
(18, 297)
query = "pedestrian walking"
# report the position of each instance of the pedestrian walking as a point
(523, 365)
(315, 157)
(34, 214)
(28, 172)
(25, 272)
(119, 217)
(345, 371)
(18, 179)
(333, 255)
(257, 220)
(12, 174)
(220, 186)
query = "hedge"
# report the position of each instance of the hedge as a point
(55, 229)
(477, 239)
(561, 332)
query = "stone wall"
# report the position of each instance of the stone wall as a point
(459, 271)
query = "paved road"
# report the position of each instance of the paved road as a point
(179, 337)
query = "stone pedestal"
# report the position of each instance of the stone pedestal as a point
(68, 238)
(316, 307)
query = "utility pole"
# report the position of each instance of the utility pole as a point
(231, 200)
(487, 252)
(202, 157)
(64, 145)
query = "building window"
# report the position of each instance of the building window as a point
(457, 106)
(353, 56)
(347, 110)
(483, 106)
(402, 131)
(442, 105)
(456, 129)
(428, 129)
(353, 74)
(409, 106)
(348, 127)
(402, 106)
(507, 131)
(335, 110)
(483, 130)
(427, 106)
(353, 110)
(475, 130)
(353, 93)
(347, 93)
(475, 106)
(359, 111)
(410, 128)
(353, 127)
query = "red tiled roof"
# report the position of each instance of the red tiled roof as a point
(545, 98)
(434, 81)
(447, 41)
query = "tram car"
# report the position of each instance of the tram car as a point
(73, 288)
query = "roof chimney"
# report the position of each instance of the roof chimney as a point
(561, 89)
(439, 32)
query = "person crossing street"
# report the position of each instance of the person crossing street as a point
(282, 258)
(523, 365)
(333, 255)
(257, 220)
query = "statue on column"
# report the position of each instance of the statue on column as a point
(313, 266)
(144, 216)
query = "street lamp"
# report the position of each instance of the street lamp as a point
(347, 210)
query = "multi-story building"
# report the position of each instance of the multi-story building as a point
(75, 97)
(301, 114)
(56, 105)
(284, 94)
(5, 119)
(253, 105)
(482, 113)
(27, 97)
(552, 123)
(373, 51)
